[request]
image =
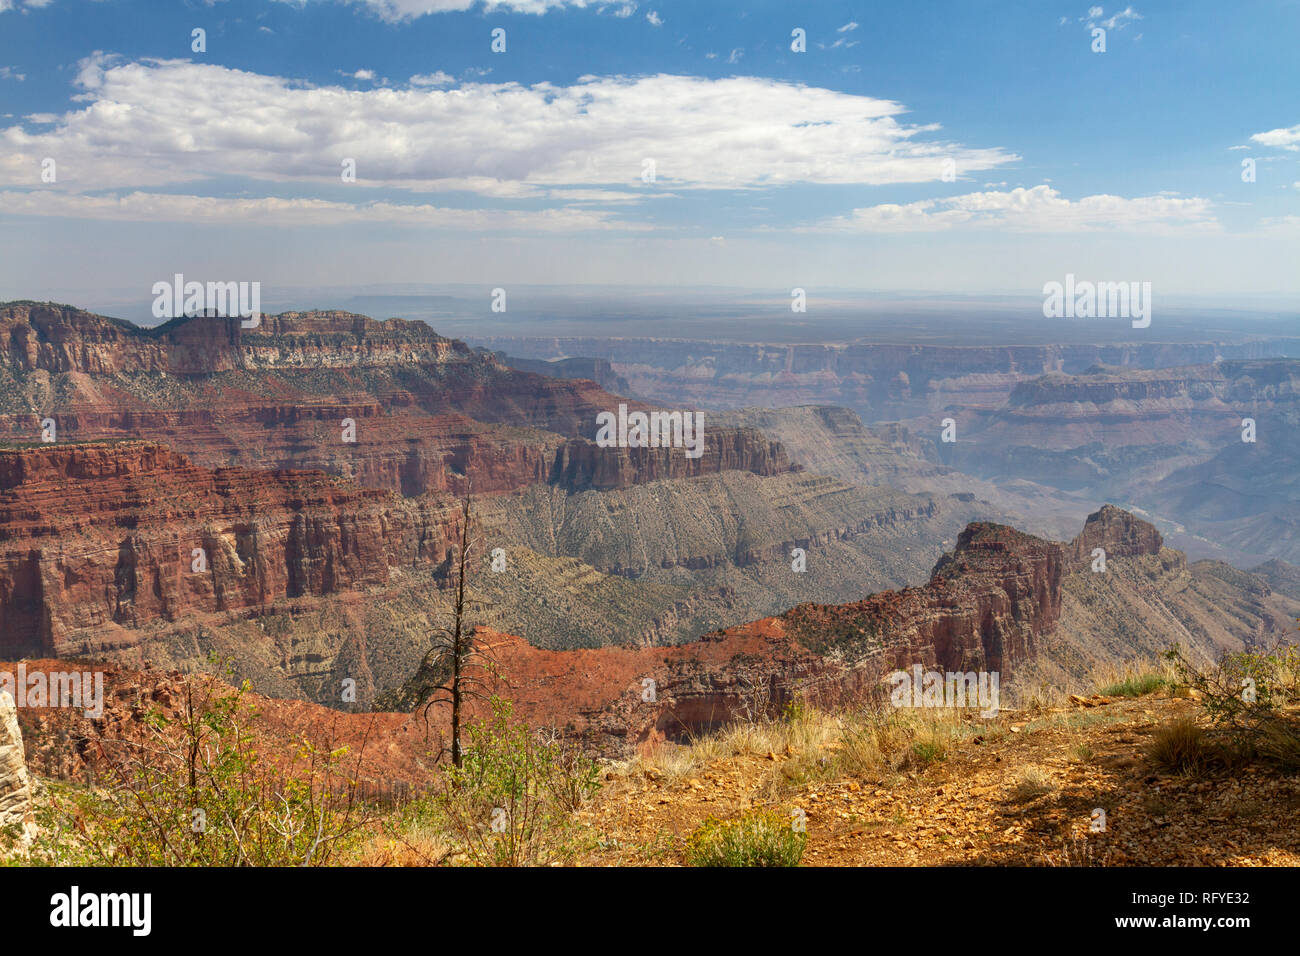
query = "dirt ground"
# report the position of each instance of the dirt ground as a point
(1014, 791)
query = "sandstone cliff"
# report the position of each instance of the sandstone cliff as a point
(426, 413)
(15, 789)
(97, 540)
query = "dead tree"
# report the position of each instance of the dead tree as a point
(457, 643)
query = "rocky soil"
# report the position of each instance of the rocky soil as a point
(972, 808)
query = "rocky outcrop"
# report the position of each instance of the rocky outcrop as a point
(1001, 600)
(581, 465)
(60, 338)
(598, 370)
(15, 789)
(986, 607)
(1118, 533)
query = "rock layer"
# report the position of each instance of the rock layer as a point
(15, 789)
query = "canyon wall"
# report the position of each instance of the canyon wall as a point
(98, 540)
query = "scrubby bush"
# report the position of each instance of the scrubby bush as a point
(1180, 747)
(193, 790)
(1249, 698)
(1031, 784)
(511, 801)
(761, 838)
(1136, 685)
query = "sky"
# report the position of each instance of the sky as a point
(963, 147)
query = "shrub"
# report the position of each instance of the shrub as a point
(1279, 743)
(193, 790)
(1137, 685)
(1246, 696)
(1031, 785)
(510, 802)
(761, 838)
(1180, 747)
(926, 752)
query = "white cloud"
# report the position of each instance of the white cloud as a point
(1120, 20)
(625, 11)
(9, 73)
(23, 5)
(396, 10)
(274, 211)
(604, 195)
(1039, 209)
(1116, 22)
(735, 55)
(851, 25)
(1288, 139)
(364, 75)
(654, 19)
(167, 122)
(437, 78)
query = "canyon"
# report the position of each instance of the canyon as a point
(286, 499)
(999, 600)
(311, 466)
(1043, 431)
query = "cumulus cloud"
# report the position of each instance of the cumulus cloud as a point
(155, 122)
(655, 19)
(1038, 209)
(1281, 138)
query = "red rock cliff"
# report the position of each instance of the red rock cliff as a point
(100, 539)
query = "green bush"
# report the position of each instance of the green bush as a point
(511, 801)
(761, 838)
(1243, 687)
(193, 790)
(1249, 700)
(1136, 686)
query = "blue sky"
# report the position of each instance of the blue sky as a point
(927, 146)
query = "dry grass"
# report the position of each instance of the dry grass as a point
(1180, 747)
(1032, 783)
(1134, 679)
(1279, 742)
(812, 745)
(414, 844)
